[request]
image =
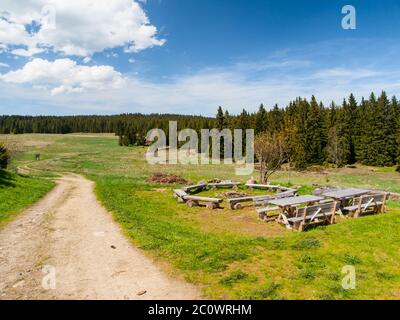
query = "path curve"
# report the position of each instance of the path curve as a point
(76, 238)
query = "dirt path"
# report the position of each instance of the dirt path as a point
(75, 237)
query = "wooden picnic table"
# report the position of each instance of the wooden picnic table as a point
(288, 205)
(344, 195)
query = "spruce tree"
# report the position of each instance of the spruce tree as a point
(350, 111)
(220, 119)
(316, 136)
(260, 120)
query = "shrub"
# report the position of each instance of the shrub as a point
(233, 278)
(4, 156)
(308, 274)
(351, 259)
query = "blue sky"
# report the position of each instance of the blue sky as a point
(189, 56)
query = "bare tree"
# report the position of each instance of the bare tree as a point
(337, 148)
(271, 153)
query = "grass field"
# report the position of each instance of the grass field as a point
(18, 192)
(230, 254)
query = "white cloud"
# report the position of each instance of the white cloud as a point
(65, 76)
(199, 93)
(350, 73)
(272, 64)
(27, 52)
(236, 86)
(75, 27)
(4, 65)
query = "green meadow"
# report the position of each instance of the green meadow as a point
(229, 254)
(18, 192)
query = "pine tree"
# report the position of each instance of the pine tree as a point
(299, 110)
(396, 108)
(260, 120)
(361, 136)
(350, 111)
(384, 133)
(316, 138)
(220, 122)
(220, 119)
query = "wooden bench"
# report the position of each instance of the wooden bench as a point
(180, 195)
(196, 187)
(236, 203)
(268, 187)
(312, 215)
(212, 203)
(224, 184)
(367, 204)
(265, 213)
(262, 200)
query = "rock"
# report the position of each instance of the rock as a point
(140, 293)
(251, 181)
(19, 284)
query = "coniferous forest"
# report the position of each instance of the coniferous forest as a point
(366, 131)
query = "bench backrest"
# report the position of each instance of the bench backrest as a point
(328, 208)
(373, 197)
(370, 198)
(285, 194)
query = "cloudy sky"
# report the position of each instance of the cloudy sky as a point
(189, 56)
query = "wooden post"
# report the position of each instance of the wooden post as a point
(301, 226)
(358, 211)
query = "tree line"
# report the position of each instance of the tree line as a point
(313, 134)
(366, 131)
(131, 128)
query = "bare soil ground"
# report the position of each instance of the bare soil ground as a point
(72, 233)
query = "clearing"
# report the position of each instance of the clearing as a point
(228, 254)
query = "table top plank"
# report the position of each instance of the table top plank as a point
(291, 201)
(345, 193)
